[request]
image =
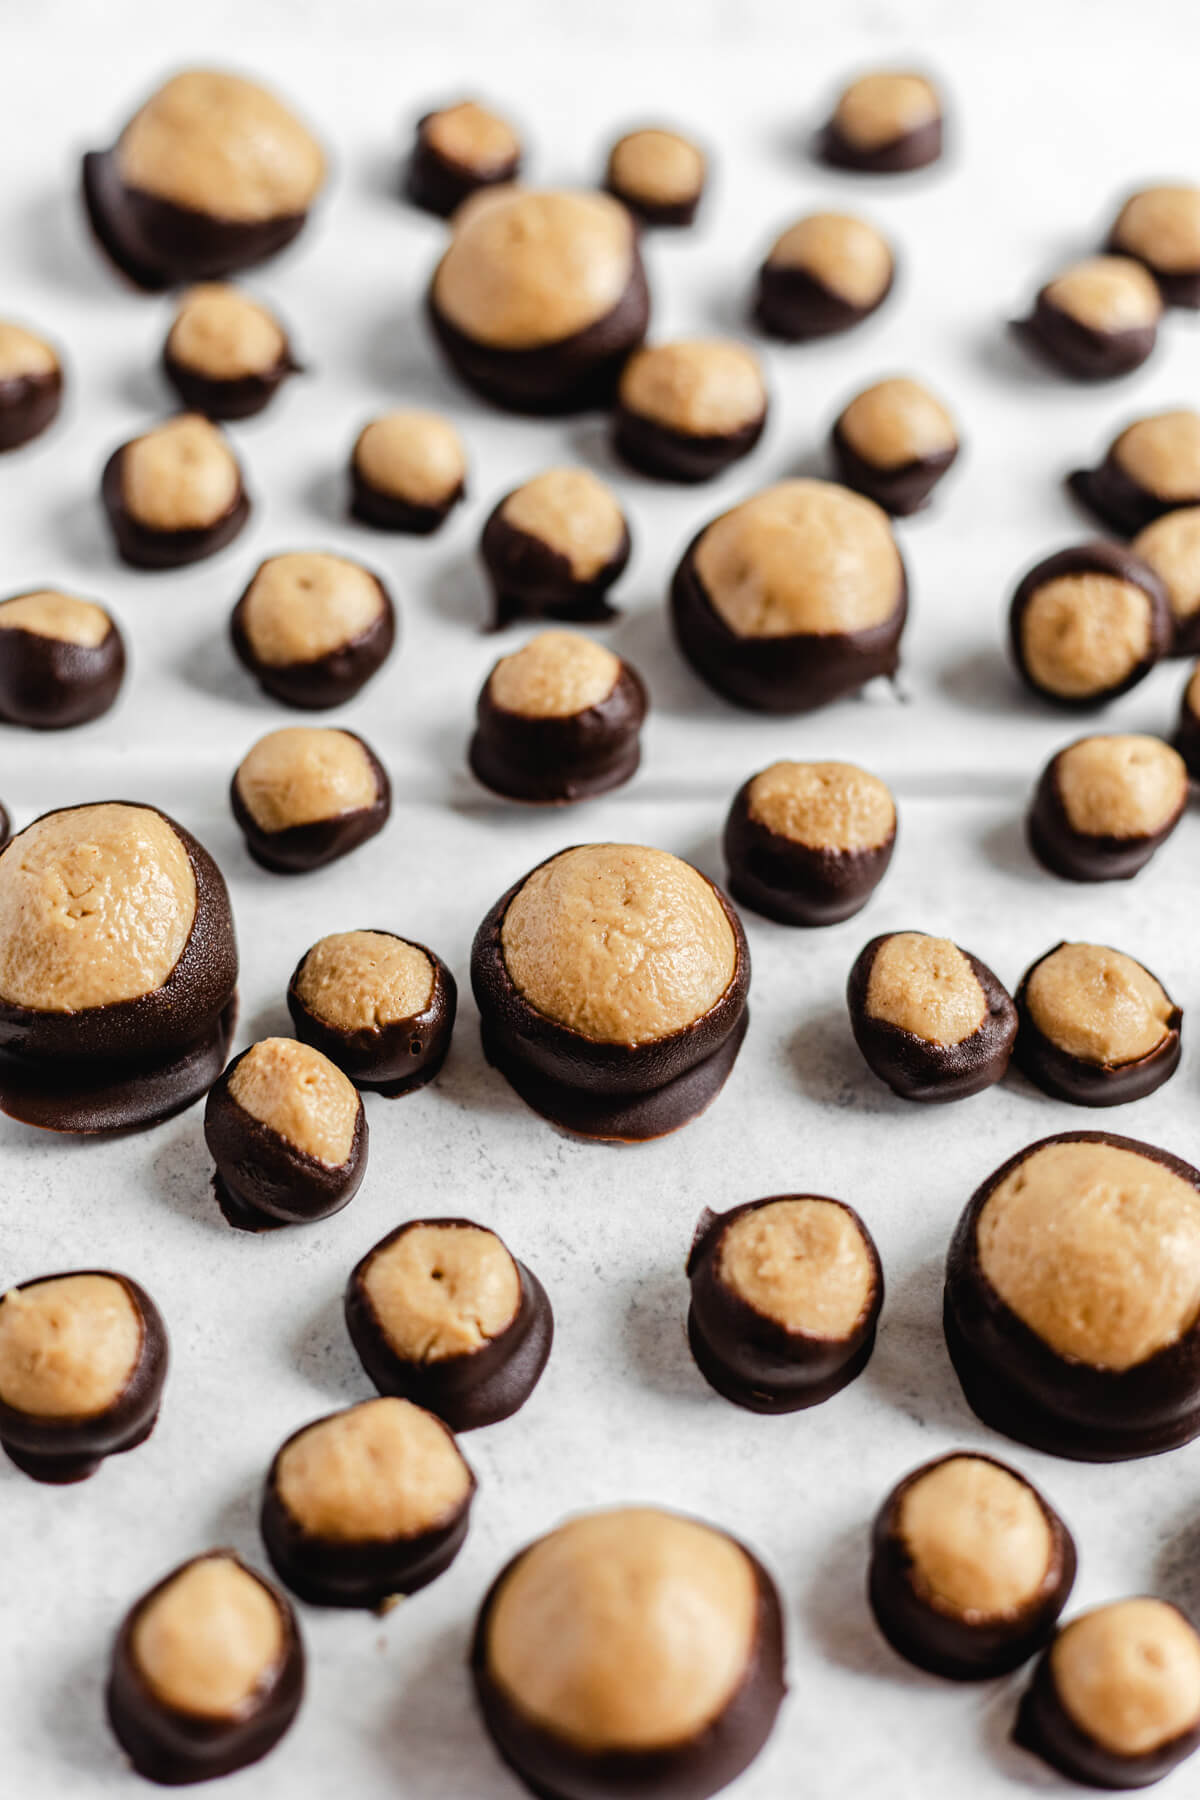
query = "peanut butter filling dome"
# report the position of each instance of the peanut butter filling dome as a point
(572, 512)
(925, 985)
(412, 455)
(801, 1262)
(469, 134)
(555, 676)
(1161, 454)
(1128, 1675)
(300, 1095)
(1161, 226)
(303, 774)
(897, 422)
(382, 1470)
(307, 604)
(980, 1543)
(824, 806)
(844, 254)
(1122, 787)
(1085, 633)
(1107, 294)
(210, 1641)
(223, 334)
(1171, 546)
(23, 354)
(47, 613)
(182, 476)
(442, 1290)
(1098, 1004)
(68, 1346)
(360, 980)
(704, 387)
(657, 166)
(883, 106)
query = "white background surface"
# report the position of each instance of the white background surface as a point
(1047, 134)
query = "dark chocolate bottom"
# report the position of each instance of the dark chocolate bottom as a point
(788, 906)
(679, 455)
(238, 397)
(64, 1471)
(758, 1398)
(1043, 1727)
(440, 186)
(676, 214)
(550, 786)
(400, 1085)
(28, 404)
(899, 491)
(914, 149)
(387, 512)
(1079, 351)
(1083, 1083)
(795, 306)
(142, 547)
(1076, 857)
(369, 1575)
(999, 1649)
(1119, 503)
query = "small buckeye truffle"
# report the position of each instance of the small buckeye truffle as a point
(1097, 1028)
(1104, 805)
(808, 843)
(1115, 1700)
(540, 298)
(887, 122)
(174, 495)
(1170, 545)
(118, 969)
(62, 660)
(83, 1358)
(31, 384)
(792, 599)
(627, 1699)
(558, 721)
(894, 442)
(970, 1568)
(207, 1672)
(366, 1505)
(659, 175)
(611, 983)
(1151, 468)
(307, 795)
(686, 410)
(827, 272)
(442, 1314)
(1160, 226)
(1096, 320)
(1187, 732)
(408, 471)
(1070, 1306)
(378, 1005)
(225, 354)
(458, 150)
(1088, 624)
(786, 1295)
(553, 547)
(930, 1019)
(212, 175)
(313, 628)
(287, 1131)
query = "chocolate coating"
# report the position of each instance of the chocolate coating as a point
(1078, 1079)
(1086, 856)
(795, 883)
(557, 760)
(531, 579)
(1187, 732)
(1119, 499)
(795, 301)
(28, 406)
(679, 455)
(1093, 558)
(895, 152)
(900, 486)
(143, 547)
(327, 680)
(5, 826)
(393, 1058)
(51, 684)
(687, 410)
(1057, 334)
(439, 183)
(916, 1068)
(297, 849)
(228, 397)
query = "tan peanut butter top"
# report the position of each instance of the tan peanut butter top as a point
(658, 167)
(225, 335)
(49, 614)
(68, 1346)
(884, 106)
(412, 455)
(300, 1095)
(1106, 293)
(307, 604)
(23, 353)
(472, 136)
(1171, 546)
(925, 985)
(801, 1262)
(842, 253)
(442, 1290)
(572, 512)
(1161, 455)
(1128, 1675)
(1124, 787)
(979, 1540)
(1098, 1004)
(1161, 226)
(704, 387)
(182, 476)
(360, 980)
(304, 773)
(824, 805)
(384, 1469)
(897, 422)
(1086, 633)
(212, 1641)
(554, 676)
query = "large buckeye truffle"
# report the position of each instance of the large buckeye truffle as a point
(825, 273)
(1087, 624)
(457, 151)
(225, 354)
(554, 546)
(1097, 1028)
(930, 1019)
(62, 660)
(174, 495)
(1160, 226)
(893, 442)
(1104, 805)
(408, 471)
(659, 175)
(886, 122)
(808, 843)
(313, 628)
(307, 795)
(1150, 468)
(1097, 319)
(688, 409)
(378, 1005)
(31, 385)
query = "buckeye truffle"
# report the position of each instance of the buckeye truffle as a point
(408, 471)
(558, 721)
(553, 547)
(313, 628)
(825, 273)
(225, 354)
(442, 1314)
(611, 983)
(1103, 806)
(808, 843)
(307, 795)
(211, 175)
(624, 1700)
(786, 1295)
(686, 410)
(31, 384)
(894, 442)
(288, 1134)
(83, 1358)
(457, 150)
(540, 298)
(1170, 546)
(1115, 1700)
(1088, 624)
(1187, 731)
(207, 1672)
(659, 175)
(970, 1568)
(1070, 1305)
(62, 660)
(1096, 320)
(174, 495)
(792, 599)
(930, 1019)
(378, 1005)
(1149, 469)
(118, 969)
(1097, 1028)
(887, 122)
(1160, 226)
(366, 1505)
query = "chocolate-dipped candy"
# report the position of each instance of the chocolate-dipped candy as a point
(1187, 732)
(1104, 805)
(313, 628)
(1097, 319)
(659, 175)
(611, 983)
(62, 660)
(1087, 624)
(554, 546)
(625, 1702)
(118, 969)
(540, 298)
(1150, 468)
(457, 150)
(792, 599)
(1115, 1700)
(307, 795)
(207, 1672)
(83, 1358)
(825, 273)
(894, 442)
(379, 1006)
(786, 1295)
(1170, 546)
(1160, 226)
(558, 721)
(442, 1314)
(225, 354)
(174, 495)
(31, 384)
(408, 471)
(211, 175)
(686, 410)
(886, 122)
(288, 1134)
(1096, 1028)
(366, 1505)
(930, 1019)
(970, 1568)
(808, 843)
(5, 826)
(1070, 1311)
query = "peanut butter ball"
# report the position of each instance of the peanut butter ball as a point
(1097, 1028)
(1160, 226)
(408, 471)
(1088, 624)
(458, 150)
(825, 273)
(887, 122)
(31, 384)
(1103, 806)
(659, 175)
(686, 410)
(1170, 546)
(930, 1019)
(225, 354)
(62, 660)
(378, 1005)
(1097, 319)
(1150, 469)
(313, 628)
(554, 546)
(305, 796)
(174, 495)
(894, 442)
(808, 843)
